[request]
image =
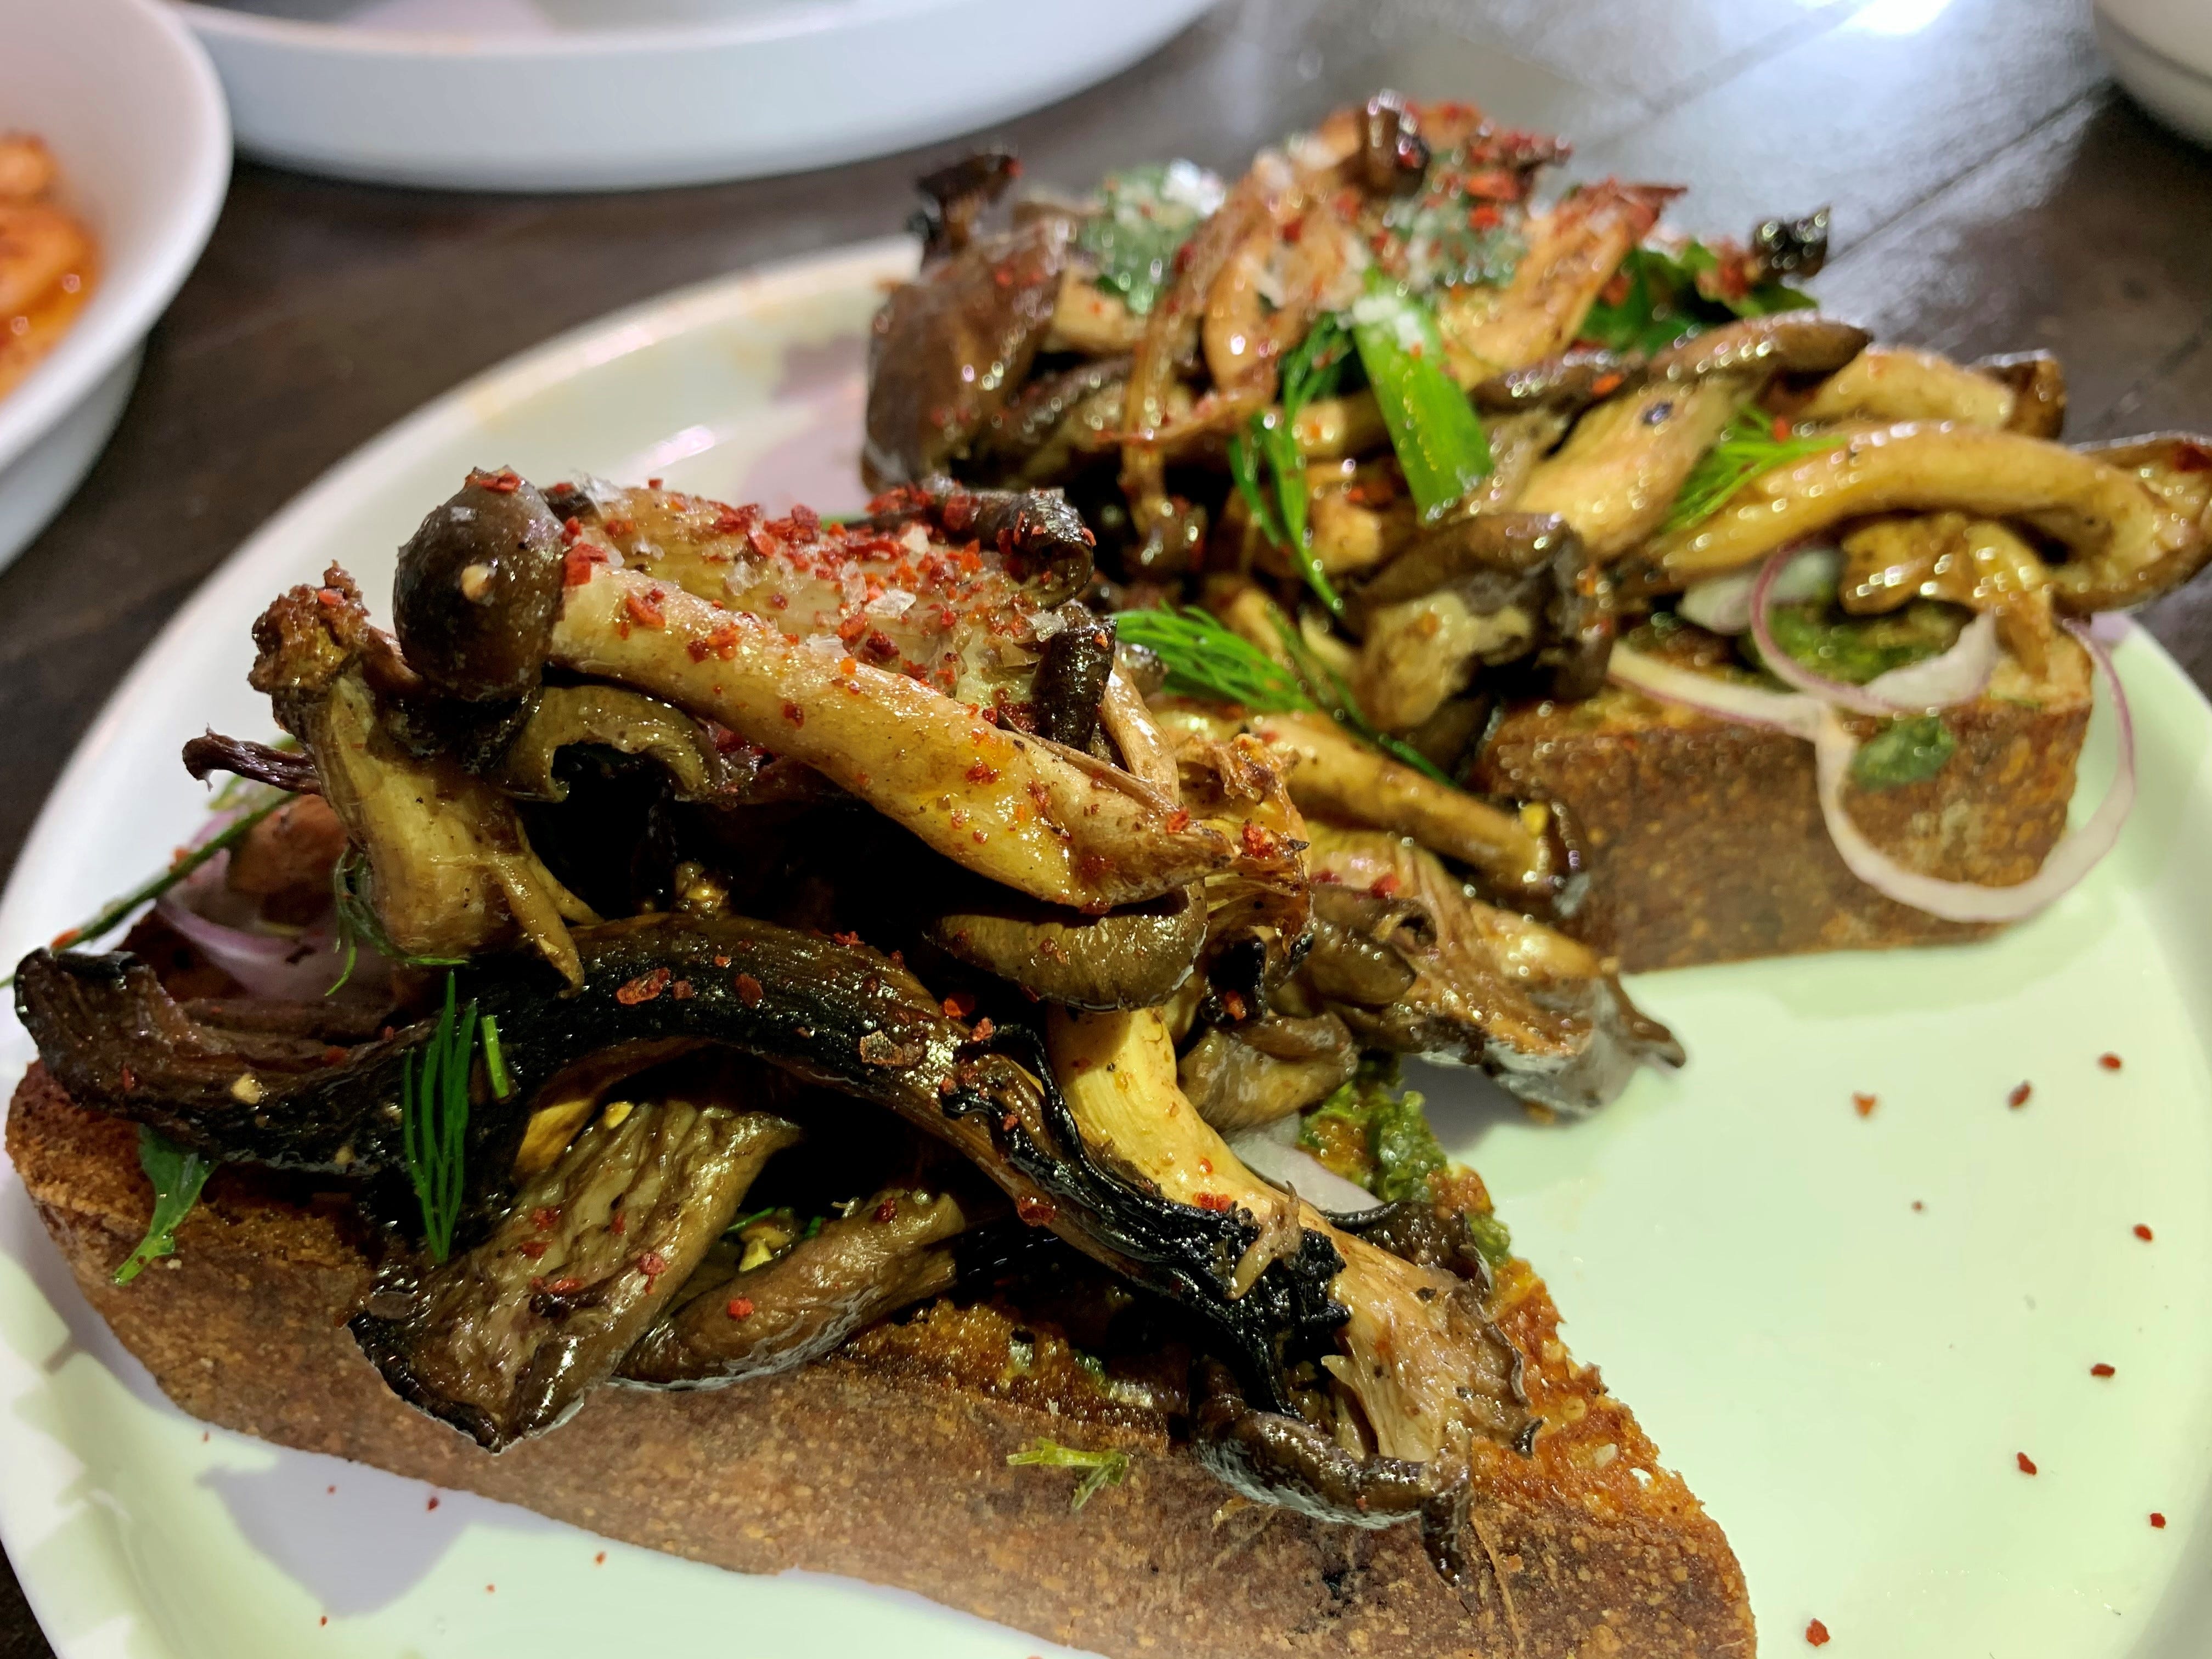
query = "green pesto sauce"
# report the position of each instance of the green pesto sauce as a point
(1910, 750)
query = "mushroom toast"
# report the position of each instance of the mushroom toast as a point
(1592, 558)
(754, 985)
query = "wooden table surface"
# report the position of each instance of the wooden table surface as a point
(1992, 191)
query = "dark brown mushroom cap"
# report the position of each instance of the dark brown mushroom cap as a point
(1133, 957)
(478, 588)
(1789, 342)
(1469, 546)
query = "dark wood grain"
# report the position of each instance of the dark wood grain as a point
(1992, 192)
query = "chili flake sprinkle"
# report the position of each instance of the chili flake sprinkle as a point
(1817, 1633)
(2026, 1463)
(643, 988)
(1864, 1105)
(2143, 1231)
(2101, 1369)
(644, 608)
(2017, 1097)
(748, 990)
(501, 482)
(433, 1504)
(2110, 1063)
(741, 1307)
(2158, 1520)
(652, 1264)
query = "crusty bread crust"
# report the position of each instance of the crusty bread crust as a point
(1704, 839)
(868, 1464)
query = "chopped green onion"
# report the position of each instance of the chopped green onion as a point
(1439, 440)
(1660, 302)
(503, 1085)
(178, 1176)
(1102, 1468)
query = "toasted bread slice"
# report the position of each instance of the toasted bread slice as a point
(1704, 842)
(888, 1459)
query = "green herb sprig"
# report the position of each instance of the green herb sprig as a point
(1207, 659)
(358, 923)
(1660, 302)
(1312, 370)
(121, 910)
(1747, 449)
(1101, 1469)
(178, 1175)
(1438, 438)
(433, 1103)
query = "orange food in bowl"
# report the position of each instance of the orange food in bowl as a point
(48, 263)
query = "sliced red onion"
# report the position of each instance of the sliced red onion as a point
(1723, 604)
(226, 927)
(1957, 675)
(2077, 853)
(1709, 693)
(1282, 1163)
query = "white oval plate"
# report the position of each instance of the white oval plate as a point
(1842, 1329)
(128, 103)
(618, 95)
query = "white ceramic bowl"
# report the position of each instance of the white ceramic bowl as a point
(616, 94)
(2162, 52)
(132, 110)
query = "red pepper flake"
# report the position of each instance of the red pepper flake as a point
(2017, 1097)
(2026, 1463)
(577, 563)
(1232, 1003)
(2101, 1369)
(721, 962)
(644, 608)
(1817, 1634)
(681, 990)
(2158, 1520)
(2110, 1063)
(982, 772)
(330, 597)
(748, 990)
(501, 482)
(1215, 1201)
(794, 713)
(325, 1619)
(67, 937)
(2142, 1232)
(848, 940)
(959, 1006)
(1035, 1211)
(562, 1286)
(1258, 843)
(652, 1264)
(618, 1224)
(1864, 1105)
(1781, 430)
(534, 1248)
(1178, 821)
(490, 1589)
(129, 1080)
(741, 1307)
(888, 1210)
(545, 1217)
(1917, 1205)
(600, 1559)
(1383, 886)
(433, 1504)
(644, 987)
(983, 1029)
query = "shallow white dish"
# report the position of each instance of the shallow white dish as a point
(1846, 1378)
(587, 94)
(2161, 50)
(127, 102)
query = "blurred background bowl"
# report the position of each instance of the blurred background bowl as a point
(2161, 50)
(135, 117)
(610, 94)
